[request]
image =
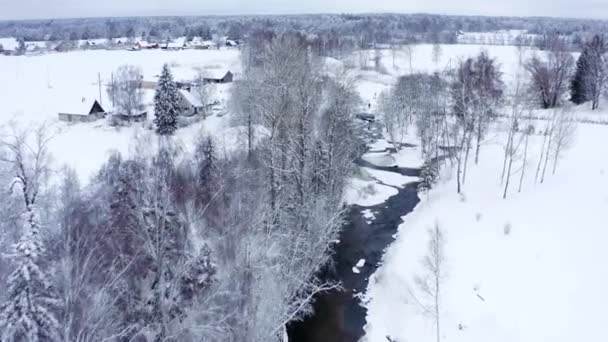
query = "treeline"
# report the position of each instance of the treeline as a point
(365, 28)
(171, 245)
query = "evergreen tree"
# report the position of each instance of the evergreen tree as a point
(578, 90)
(428, 176)
(27, 315)
(166, 103)
(207, 171)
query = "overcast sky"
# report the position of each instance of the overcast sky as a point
(34, 9)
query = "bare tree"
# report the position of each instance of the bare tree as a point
(204, 91)
(550, 75)
(126, 90)
(564, 132)
(429, 284)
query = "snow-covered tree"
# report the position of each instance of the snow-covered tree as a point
(595, 70)
(428, 176)
(430, 282)
(166, 103)
(28, 313)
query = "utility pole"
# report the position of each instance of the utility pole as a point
(99, 83)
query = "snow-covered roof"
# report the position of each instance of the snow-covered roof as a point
(215, 74)
(80, 107)
(9, 44)
(177, 42)
(191, 98)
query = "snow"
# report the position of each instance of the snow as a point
(361, 263)
(539, 282)
(367, 193)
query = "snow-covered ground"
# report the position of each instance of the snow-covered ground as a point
(528, 268)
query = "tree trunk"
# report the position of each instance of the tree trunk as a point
(466, 160)
(540, 159)
(504, 195)
(542, 178)
(506, 156)
(523, 167)
(479, 127)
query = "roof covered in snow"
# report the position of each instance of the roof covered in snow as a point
(81, 106)
(215, 74)
(191, 98)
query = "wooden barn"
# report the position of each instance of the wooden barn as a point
(86, 110)
(217, 76)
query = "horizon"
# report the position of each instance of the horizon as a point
(74, 9)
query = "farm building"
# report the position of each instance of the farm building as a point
(86, 110)
(190, 103)
(176, 44)
(142, 44)
(218, 76)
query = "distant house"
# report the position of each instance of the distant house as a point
(142, 44)
(176, 44)
(190, 103)
(200, 44)
(232, 43)
(86, 110)
(218, 76)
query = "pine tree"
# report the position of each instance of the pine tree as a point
(27, 315)
(578, 90)
(166, 103)
(207, 171)
(428, 176)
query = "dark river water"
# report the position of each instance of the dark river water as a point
(339, 317)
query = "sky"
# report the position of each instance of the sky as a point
(42, 9)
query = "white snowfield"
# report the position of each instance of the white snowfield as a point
(544, 280)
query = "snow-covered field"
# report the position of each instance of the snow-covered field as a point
(534, 259)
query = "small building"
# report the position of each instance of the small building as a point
(142, 44)
(176, 44)
(86, 110)
(190, 103)
(231, 43)
(219, 76)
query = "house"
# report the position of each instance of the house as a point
(142, 44)
(199, 43)
(190, 103)
(86, 110)
(218, 76)
(232, 43)
(176, 44)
